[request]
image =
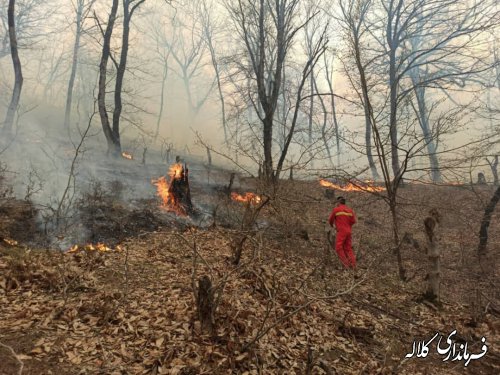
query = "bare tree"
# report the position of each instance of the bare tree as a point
(268, 30)
(129, 8)
(82, 8)
(112, 138)
(112, 132)
(352, 22)
(18, 84)
(188, 47)
(210, 27)
(387, 105)
(31, 24)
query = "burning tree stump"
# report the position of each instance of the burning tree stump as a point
(206, 305)
(176, 194)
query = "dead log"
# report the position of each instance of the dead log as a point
(206, 305)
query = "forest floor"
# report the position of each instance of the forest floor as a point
(287, 308)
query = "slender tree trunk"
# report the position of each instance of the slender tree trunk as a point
(219, 87)
(334, 110)
(74, 65)
(494, 169)
(268, 143)
(393, 130)
(311, 108)
(162, 98)
(433, 253)
(18, 83)
(101, 96)
(485, 222)
(368, 141)
(120, 74)
(366, 107)
(323, 128)
(395, 229)
(423, 118)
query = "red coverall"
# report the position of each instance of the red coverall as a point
(344, 219)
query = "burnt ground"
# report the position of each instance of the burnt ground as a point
(287, 308)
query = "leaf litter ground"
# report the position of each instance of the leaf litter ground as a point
(133, 311)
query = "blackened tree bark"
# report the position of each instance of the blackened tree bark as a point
(113, 143)
(18, 83)
(485, 222)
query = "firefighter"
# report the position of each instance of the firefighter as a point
(344, 218)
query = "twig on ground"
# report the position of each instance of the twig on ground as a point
(21, 363)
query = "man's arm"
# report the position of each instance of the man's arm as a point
(331, 219)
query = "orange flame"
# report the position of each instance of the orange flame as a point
(163, 186)
(126, 155)
(247, 197)
(100, 247)
(10, 242)
(351, 187)
(175, 171)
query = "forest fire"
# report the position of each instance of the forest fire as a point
(10, 242)
(128, 156)
(99, 247)
(247, 197)
(366, 187)
(175, 194)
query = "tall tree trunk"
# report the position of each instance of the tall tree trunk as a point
(219, 86)
(268, 144)
(485, 222)
(366, 107)
(334, 110)
(325, 120)
(423, 119)
(368, 142)
(494, 169)
(120, 74)
(101, 96)
(74, 64)
(431, 224)
(311, 109)
(18, 84)
(393, 130)
(395, 231)
(162, 97)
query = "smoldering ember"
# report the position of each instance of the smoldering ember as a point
(249, 187)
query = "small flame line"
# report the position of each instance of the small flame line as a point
(365, 187)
